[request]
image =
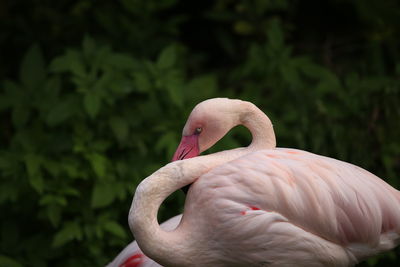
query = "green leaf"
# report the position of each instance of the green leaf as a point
(290, 74)
(202, 87)
(167, 58)
(101, 145)
(12, 95)
(69, 191)
(9, 262)
(32, 71)
(71, 61)
(102, 195)
(115, 229)
(120, 128)
(151, 67)
(52, 87)
(71, 168)
(168, 142)
(275, 35)
(75, 63)
(69, 232)
(54, 214)
(59, 64)
(121, 86)
(46, 200)
(53, 199)
(174, 85)
(62, 110)
(122, 61)
(316, 71)
(99, 163)
(142, 82)
(53, 167)
(92, 103)
(33, 163)
(37, 183)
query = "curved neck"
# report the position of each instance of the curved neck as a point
(169, 248)
(174, 248)
(260, 127)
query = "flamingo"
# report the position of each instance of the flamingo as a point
(261, 205)
(132, 256)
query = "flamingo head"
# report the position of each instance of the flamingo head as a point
(209, 121)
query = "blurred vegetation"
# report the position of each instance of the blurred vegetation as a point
(94, 94)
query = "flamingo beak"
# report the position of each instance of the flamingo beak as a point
(188, 148)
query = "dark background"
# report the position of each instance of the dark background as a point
(94, 94)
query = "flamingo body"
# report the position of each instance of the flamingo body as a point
(286, 207)
(262, 205)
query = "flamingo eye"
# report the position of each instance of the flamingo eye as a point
(198, 130)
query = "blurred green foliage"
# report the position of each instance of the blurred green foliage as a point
(98, 99)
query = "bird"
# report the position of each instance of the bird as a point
(261, 205)
(132, 256)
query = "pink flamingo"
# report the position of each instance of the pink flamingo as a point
(262, 205)
(132, 256)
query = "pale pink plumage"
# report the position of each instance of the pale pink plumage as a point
(261, 205)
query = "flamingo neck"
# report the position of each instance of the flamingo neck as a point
(175, 248)
(172, 248)
(260, 127)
